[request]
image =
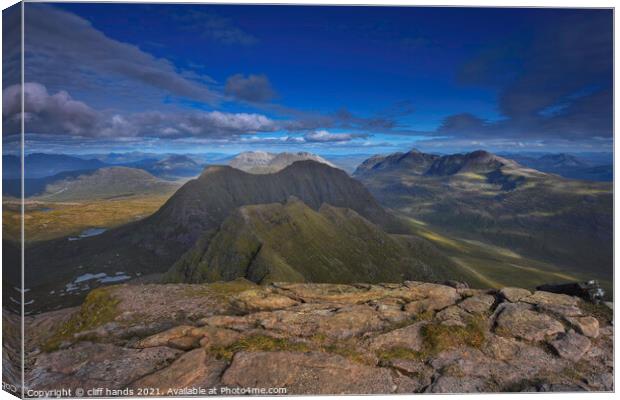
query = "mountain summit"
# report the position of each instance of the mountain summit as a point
(417, 163)
(261, 162)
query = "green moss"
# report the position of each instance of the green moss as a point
(220, 289)
(231, 288)
(99, 308)
(425, 315)
(399, 353)
(438, 337)
(346, 351)
(257, 343)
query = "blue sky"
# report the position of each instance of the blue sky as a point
(323, 79)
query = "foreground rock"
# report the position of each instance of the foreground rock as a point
(322, 339)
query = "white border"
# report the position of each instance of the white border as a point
(442, 3)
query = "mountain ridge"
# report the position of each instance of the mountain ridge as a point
(261, 162)
(331, 244)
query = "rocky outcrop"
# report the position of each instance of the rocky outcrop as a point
(323, 339)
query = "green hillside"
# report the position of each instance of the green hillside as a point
(293, 242)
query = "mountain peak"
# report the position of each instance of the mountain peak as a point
(260, 162)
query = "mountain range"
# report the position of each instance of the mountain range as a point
(171, 167)
(42, 165)
(568, 166)
(481, 196)
(102, 183)
(39, 165)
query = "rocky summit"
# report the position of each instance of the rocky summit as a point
(322, 339)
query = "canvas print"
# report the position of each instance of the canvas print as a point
(301, 200)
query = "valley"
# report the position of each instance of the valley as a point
(53, 220)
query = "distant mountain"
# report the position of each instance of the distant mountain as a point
(482, 196)
(171, 167)
(103, 183)
(260, 162)
(347, 162)
(418, 163)
(39, 165)
(330, 244)
(200, 206)
(567, 165)
(413, 160)
(176, 165)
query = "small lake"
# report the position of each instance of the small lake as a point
(88, 233)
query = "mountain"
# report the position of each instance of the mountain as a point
(413, 160)
(330, 244)
(176, 165)
(568, 166)
(39, 165)
(347, 162)
(103, 183)
(483, 197)
(171, 167)
(260, 162)
(200, 206)
(562, 160)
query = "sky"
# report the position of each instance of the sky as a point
(329, 80)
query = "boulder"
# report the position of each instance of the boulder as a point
(500, 348)
(540, 297)
(477, 304)
(184, 343)
(419, 374)
(162, 338)
(350, 321)
(260, 300)
(513, 294)
(571, 345)
(215, 337)
(89, 364)
(409, 337)
(193, 369)
(587, 326)
(453, 315)
(520, 321)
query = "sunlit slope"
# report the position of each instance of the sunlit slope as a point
(294, 243)
(495, 266)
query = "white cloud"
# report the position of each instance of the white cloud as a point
(322, 136)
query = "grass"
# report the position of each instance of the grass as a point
(438, 337)
(399, 353)
(318, 342)
(257, 343)
(99, 308)
(46, 221)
